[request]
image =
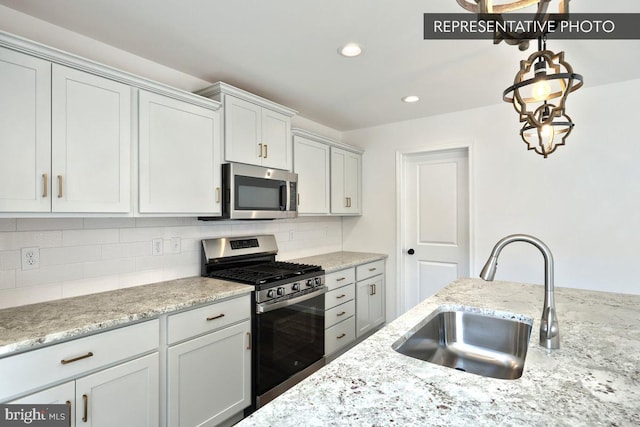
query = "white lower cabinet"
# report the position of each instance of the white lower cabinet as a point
(100, 382)
(209, 377)
(370, 309)
(339, 316)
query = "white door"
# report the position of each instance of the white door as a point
(58, 395)
(242, 124)
(311, 163)
(435, 215)
(91, 143)
(180, 157)
(126, 395)
(276, 140)
(25, 133)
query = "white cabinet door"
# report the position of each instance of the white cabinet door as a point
(311, 163)
(62, 394)
(242, 127)
(25, 133)
(180, 156)
(369, 304)
(209, 378)
(126, 395)
(91, 143)
(345, 181)
(276, 140)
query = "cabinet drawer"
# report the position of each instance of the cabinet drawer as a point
(38, 368)
(370, 269)
(214, 316)
(339, 335)
(340, 278)
(339, 313)
(339, 296)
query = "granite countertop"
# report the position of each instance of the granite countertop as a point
(593, 379)
(335, 261)
(27, 327)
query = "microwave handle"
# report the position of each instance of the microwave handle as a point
(284, 196)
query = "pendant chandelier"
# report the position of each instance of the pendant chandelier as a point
(541, 86)
(539, 94)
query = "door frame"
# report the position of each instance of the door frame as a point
(401, 155)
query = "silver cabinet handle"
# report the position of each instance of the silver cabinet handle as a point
(45, 185)
(59, 186)
(260, 154)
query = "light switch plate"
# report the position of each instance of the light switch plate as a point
(157, 246)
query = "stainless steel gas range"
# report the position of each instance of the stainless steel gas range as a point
(288, 320)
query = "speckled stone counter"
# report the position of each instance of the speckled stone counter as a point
(335, 261)
(593, 379)
(27, 327)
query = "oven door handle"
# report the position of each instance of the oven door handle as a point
(266, 307)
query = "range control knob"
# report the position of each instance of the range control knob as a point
(280, 291)
(271, 293)
(309, 283)
(295, 287)
(318, 281)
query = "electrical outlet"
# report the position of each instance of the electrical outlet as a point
(157, 246)
(30, 258)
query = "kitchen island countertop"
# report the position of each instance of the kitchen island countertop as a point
(593, 379)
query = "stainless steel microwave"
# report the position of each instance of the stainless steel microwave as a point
(254, 192)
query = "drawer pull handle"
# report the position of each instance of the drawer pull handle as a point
(217, 194)
(45, 185)
(85, 416)
(219, 316)
(373, 269)
(75, 359)
(59, 186)
(342, 313)
(260, 155)
(341, 296)
(266, 151)
(249, 340)
(341, 336)
(340, 279)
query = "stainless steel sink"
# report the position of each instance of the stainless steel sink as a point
(488, 345)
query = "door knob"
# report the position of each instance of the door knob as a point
(411, 252)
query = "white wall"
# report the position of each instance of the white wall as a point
(583, 201)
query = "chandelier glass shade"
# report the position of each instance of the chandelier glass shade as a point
(553, 132)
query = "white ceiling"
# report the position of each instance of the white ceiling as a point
(286, 50)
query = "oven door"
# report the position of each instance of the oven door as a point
(289, 339)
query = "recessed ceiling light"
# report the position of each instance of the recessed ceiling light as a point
(350, 49)
(410, 99)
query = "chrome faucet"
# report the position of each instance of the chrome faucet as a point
(549, 332)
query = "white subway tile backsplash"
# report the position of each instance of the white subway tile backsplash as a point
(69, 255)
(87, 255)
(7, 279)
(43, 224)
(8, 224)
(90, 237)
(30, 295)
(10, 260)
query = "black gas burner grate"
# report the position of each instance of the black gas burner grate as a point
(259, 274)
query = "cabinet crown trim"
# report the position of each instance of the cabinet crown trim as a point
(323, 139)
(218, 89)
(57, 56)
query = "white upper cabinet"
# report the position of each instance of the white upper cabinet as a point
(179, 157)
(256, 131)
(91, 143)
(311, 163)
(346, 185)
(25, 133)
